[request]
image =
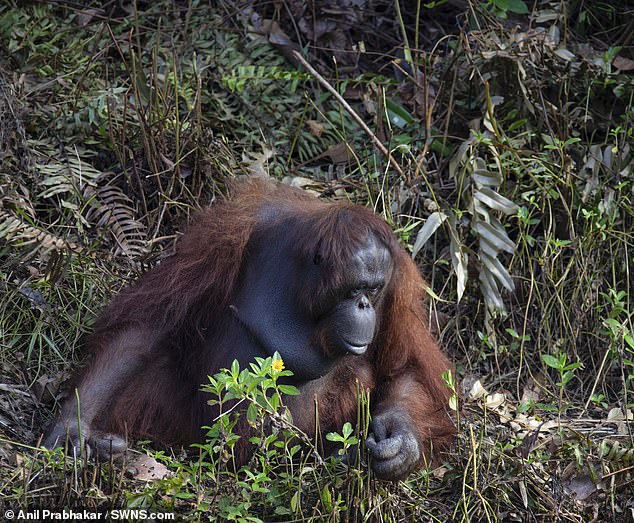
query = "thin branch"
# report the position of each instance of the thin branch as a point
(351, 111)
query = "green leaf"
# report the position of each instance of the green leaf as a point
(566, 377)
(397, 114)
(517, 6)
(295, 501)
(551, 361)
(524, 407)
(289, 390)
(333, 436)
(252, 412)
(517, 124)
(326, 498)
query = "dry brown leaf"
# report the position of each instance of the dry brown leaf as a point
(477, 390)
(493, 401)
(300, 182)
(146, 468)
(622, 63)
(45, 389)
(565, 54)
(316, 128)
(279, 39)
(257, 163)
(528, 443)
(338, 153)
(579, 482)
(531, 392)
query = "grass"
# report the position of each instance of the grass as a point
(514, 146)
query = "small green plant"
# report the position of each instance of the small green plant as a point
(258, 386)
(517, 339)
(347, 438)
(620, 332)
(501, 8)
(285, 471)
(450, 381)
(566, 371)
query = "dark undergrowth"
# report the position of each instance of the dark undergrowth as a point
(497, 144)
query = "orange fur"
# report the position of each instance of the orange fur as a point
(159, 339)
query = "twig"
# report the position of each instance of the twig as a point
(351, 111)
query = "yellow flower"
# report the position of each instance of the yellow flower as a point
(278, 365)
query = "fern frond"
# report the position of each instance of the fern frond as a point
(110, 209)
(22, 234)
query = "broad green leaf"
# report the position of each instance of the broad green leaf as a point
(252, 413)
(326, 498)
(551, 361)
(333, 436)
(295, 501)
(566, 377)
(289, 390)
(397, 114)
(517, 6)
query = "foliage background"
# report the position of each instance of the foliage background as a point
(509, 126)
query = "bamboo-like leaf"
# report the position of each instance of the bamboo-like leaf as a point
(432, 223)
(481, 209)
(496, 201)
(499, 239)
(484, 202)
(397, 114)
(497, 270)
(488, 248)
(486, 178)
(490, 291)
(459, 260)
(458, 158)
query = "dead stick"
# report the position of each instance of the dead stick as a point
(350, 110)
